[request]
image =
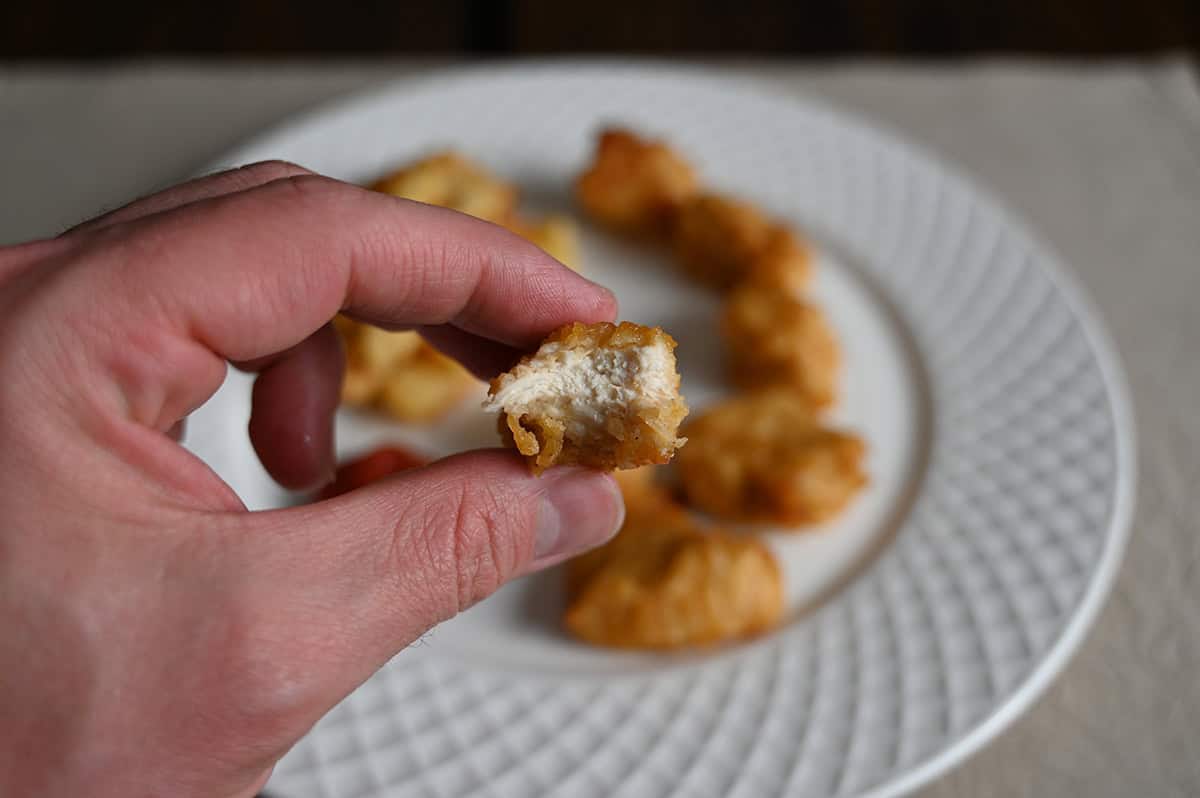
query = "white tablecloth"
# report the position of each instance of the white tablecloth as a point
(1102, 160)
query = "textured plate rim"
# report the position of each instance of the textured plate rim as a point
(1103, 577)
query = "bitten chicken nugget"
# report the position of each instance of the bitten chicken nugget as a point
(722, 241)
(774, 338)
(400, 373)
(556, 235)
(765, 457)
(635, 185)
(452, 181)
(600, 395)
(663, 583)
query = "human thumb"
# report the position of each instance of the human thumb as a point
(350, 581)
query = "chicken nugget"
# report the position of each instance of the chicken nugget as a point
(663, 583)
(425, 387)
(557, 235)
(450, 180)
(784, 263)
(371, 354)
(600, 395)
(722, 242)
(765, 457)
(717, 238)
(635, 185)
(399, 373)
(650, 515)
(773, 338)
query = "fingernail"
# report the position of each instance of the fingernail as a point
(580, 510)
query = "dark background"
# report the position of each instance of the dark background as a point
(58, 29)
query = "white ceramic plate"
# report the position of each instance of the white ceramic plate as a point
(923, 620)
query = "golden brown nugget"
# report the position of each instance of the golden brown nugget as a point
(650, 515)
(635, 185)
(424, 388)
(765, 457)
(784, 264)
(556, 235)
(664, 584)
(716, 238)
(452, 181)
(599, 395)
(399, 373)
(721, 242)
(773, 338)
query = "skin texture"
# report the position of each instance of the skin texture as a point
(159, 639)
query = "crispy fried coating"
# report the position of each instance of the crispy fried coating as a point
(784, 264)
(635, 185)
(600, 395)
(650, 514)
(555, 234)
(721, 242)
(450, 180)
(664, 583)
(716, 238)
(766, 457)
(399, 373)
(773, 338)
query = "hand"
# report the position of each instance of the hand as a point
(158, 639)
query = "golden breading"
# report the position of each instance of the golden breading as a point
(599, 395)
(635, 185)
(722, 241)
(774, 338)
(650, 515)
(556, 235)
(452, 181)
(664, 583)
(399, 372)
(784, 264)
(765, 457)
(716, 238)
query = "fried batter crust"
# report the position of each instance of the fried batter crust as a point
(399, 373)
(773, 338)
(635, 185)
(451, 180)
(722, 242)
(765, 457)
(562, 429)
(664, 583)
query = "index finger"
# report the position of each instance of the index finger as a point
(255, 272)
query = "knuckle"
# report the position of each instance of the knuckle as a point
(480, 547)
(310, 187)
(471, 543)
(274, 169)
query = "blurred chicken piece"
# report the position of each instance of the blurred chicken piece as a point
(399, 373)
(765, 457)
(722, 242)
(635, 185)
(664, 583)
(784, 264)
(453, 181)
(774, 338)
